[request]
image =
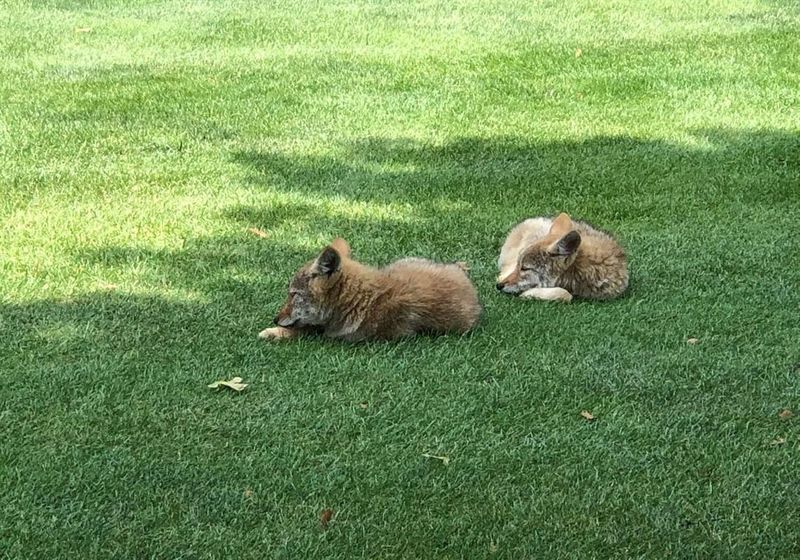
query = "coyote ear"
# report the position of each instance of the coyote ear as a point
(341, 246)
(565, 246)
(328, 262)
(562, 224)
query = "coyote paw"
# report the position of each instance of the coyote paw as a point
(276, 333)
(547, 294)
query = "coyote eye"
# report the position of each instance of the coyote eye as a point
(527, 268)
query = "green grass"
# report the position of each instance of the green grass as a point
(140, 139)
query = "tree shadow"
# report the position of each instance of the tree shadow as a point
(613, 178)
(456, 201)
(106, 383)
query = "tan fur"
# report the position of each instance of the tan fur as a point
(555, 259)
(344, 299)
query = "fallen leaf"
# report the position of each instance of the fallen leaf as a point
(785, 414)
(248, 493)
(258, 232)
(235, 384)
(778, 441)
(578, 53)
(364, 405)
(493, 547)
(588, 415)
(443, 458)
(325, 517)
(692, 341)
(83, 30)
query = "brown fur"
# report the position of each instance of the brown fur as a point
(556, 259)
(344, 299)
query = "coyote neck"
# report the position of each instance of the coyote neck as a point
(354, 295)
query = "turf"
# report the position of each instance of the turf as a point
(140, 140)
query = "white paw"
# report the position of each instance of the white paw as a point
(547, 294)
(276, 333)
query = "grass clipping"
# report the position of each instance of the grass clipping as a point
(235, 384)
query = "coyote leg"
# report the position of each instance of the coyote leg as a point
(277, 333)
(547, 294)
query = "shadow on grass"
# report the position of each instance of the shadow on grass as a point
(603, 178)
(110, 386)
(456, 201)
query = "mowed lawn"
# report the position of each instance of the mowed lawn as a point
(140, 141)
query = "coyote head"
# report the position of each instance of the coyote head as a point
(543, 263)
(309, 300)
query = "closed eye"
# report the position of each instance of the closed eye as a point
(527, 268)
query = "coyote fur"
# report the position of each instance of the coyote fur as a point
(557, 258)
(340, 298)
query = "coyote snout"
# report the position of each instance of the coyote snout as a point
(282, 319)
(507, 285)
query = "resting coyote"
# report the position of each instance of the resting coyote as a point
(555, 259)
(341, 298)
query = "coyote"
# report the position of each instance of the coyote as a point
(340, 298)
(555, 259)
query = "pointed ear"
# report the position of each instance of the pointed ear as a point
(565, 246)
(341, 246)
(328, 262)
(561, 225)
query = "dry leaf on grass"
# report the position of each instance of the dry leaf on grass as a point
(578, 53)
(83, 30)
(363, 405)
(235, 384)
(785, 414)
(692, 341)
(248, 493)
(443, 458)
(258, 232)
(778, 441)
(587, 415)
(325, 517)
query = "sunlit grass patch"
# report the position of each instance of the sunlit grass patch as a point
(167, 166)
